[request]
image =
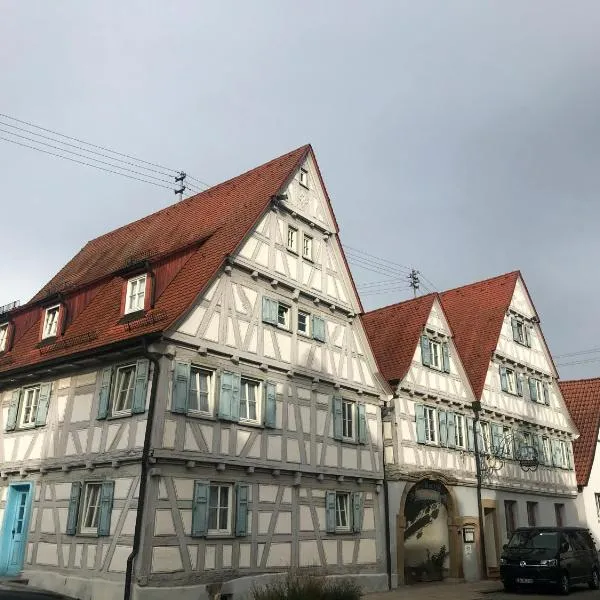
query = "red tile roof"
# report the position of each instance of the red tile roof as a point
(394, 331)
(186, 243)
(476, 313)
(582, 398)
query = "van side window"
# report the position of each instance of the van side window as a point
(575, 542)
(565, 540)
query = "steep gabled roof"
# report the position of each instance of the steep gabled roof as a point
(476, 313)
(582, 398)
(394, 331)
(190, 239)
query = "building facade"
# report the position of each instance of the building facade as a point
(192, 403)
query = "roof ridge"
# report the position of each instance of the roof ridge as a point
(394, 304)
(567, 381)
(482, 281)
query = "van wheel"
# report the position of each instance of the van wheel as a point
(595, 580)
(564, 585)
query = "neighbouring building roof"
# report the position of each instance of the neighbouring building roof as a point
(582, 398)
(394, 332)
(186, 243)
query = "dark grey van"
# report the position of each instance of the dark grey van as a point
(550, 556)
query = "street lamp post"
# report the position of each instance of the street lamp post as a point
(482, 555)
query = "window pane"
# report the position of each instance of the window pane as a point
(341, 510)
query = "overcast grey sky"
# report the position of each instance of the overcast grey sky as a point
(461, 138)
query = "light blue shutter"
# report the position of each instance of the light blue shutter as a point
(73, 508)
(539, 444)
(337, 416)
(181, 387)
(229, 398)
(515, 329)
(330, 512)
(503, 379)
(470, 435)
(357, 511)
(556, 458)
(425, 351)
(13, 411)
(270, 405)
(236, 396)
(44, 400)
(106, 506)
(533, 390)
(519, 381)
(443, 428)
(318, 328)
(104, 395)
(569, 455)
(420, 421)
(269, 311)
(142, 369)
(200, 509)
(497, 438)
(362, 424)
(445, 357)
(546, 394)
(527, 333)
(451, 425)
(241, 511)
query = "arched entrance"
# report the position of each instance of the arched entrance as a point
(428, 533)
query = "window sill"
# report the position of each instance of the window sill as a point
(199, 415)
(88, 534)
(47, 341)
(310, 260)
(304, 185)
(250, 423)
(291, 251)
(132, 316)
(521, 343)
(219, 535)
(123, 415)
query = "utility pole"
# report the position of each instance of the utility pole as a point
(180, 182)
(413, 281)
(476, 427)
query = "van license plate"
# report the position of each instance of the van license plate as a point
(523, 580)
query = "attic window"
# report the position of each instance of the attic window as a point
(303, 177)
(136, 294)
(51, 322)
(3, 336)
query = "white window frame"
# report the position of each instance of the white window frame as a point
(521, 332)
(211, 390)
(539, 386)
(35, 391)
(218, 531)
(3, 336)
(138, 294)
(50, 329)
(115, 391)
(292, 239)
(343, 500)
(283, 316)
(306, 331)
(564, 454)
(257, 384)
(303, 177)
(435, 353)
(460, 431)
(431, 425)
(348, 410)
(511, 381)
(307, 248)
(86, 506)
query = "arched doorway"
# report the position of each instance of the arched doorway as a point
(428, 533)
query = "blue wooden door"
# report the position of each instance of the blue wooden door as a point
(14, 531)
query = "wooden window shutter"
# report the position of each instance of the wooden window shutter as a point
(105, 508)
(503, 379)
(142, 369)
(104, 396)
(470, 434)
(357, 511)
(181, 387)
(73, 508)
(200, 509)
(318, 328)
(241, 509)
(269, 311)
(425, 351)
(13, 410)
(229, 397)
(527, 334)
(546, 391)
(445, 357)
(497, 437)
(420, 421)
(337, 416)
(451, 426)
(443, 427)
(330, 512)
(533, 389)
(515, 329)
(519, 383)
(362, 423)
(44, 401)
(270, 419)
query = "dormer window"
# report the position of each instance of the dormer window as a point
(3, 336)
(303, 177)
(51, 322)
(136, 294)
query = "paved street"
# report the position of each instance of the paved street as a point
(487, 590)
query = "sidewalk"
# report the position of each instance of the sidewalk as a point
(440, 591)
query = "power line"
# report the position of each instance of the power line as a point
(375, 284)
(578, 362)
(374, 266)
(579, 353)
(377, 258)
(386, 291)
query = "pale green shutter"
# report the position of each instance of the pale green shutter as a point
(330, 512)
(533, 390)
(200, 509)
(241, 511)
(106, 506)
(503, 379)
(519, 382)
(337, 416)
(104, 396)
(13, 411)
(229, 398)
(443, 427)
(362, 424)
(181, 387)
(236, 391)
(425, 351)
(420, 421)
(527, 334)
(44, 401)
(546, 394)
(269, 311)
(451, 425)
(445, 357)
(357, 511)
(270, 405)
(142, 368)
(318, 328)
(73, 508)
(470, 435)
(515, 329)
(497, 437)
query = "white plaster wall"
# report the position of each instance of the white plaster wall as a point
(587, 499)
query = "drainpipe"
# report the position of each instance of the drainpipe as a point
(143, 473)
(482, 555)
(388, 553)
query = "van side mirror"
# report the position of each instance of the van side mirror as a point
(564, 547)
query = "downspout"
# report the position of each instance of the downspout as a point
(482, 554)
(143, 473)
(388, 549)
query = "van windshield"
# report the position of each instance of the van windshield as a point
(534, 539)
